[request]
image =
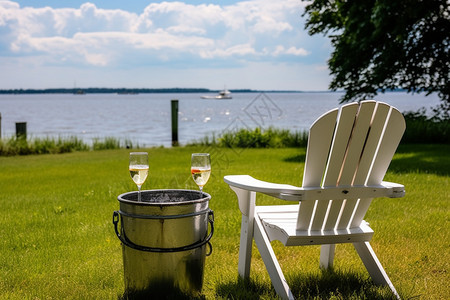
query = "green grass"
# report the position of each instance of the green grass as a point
(58, 242)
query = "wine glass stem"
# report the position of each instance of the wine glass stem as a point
(139, 193)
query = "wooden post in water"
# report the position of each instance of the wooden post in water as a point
(21, 130)
(0, 125)
(174, 122)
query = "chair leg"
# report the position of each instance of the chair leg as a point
(327, 256)
(374, 266)
(271, 262)
(245, 245)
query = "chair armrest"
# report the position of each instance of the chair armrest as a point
(294, 193)
(282, 191)
(397, 190)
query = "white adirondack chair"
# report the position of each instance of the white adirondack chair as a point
(349, 151)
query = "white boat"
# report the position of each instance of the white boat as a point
(224, 94)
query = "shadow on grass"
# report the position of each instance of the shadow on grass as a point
(160, 291)
(324, 285)
(245, 289)
(297, 158)
(432, 159)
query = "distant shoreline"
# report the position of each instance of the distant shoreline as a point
(132, 91)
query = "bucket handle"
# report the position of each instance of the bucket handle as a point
(126, 241)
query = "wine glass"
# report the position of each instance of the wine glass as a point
(139, 169)
(200, 168)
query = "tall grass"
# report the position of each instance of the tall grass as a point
(256, 138)
(58, 242)
(423, 129)
(420, 129)
(50, 145)
(269, 138)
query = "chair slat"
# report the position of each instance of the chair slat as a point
(357, 142)
(340, 142)
(333, 214)
(319, 215)
(360, 212)
(319, 140)
(305, 212)
(395, 127)
(373, 138)
(347, 213)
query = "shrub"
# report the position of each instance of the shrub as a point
(22, 146)
(257, 138)
(270, 138)
(424, 130)
(107, 143)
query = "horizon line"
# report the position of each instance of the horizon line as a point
(146, 90)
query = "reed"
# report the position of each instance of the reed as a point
(256, 138)
(267, 138)
(423, 129)
(420, 129)
(51, 145)
(106, 144)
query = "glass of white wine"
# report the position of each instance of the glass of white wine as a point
(200, 168)
(139, 169)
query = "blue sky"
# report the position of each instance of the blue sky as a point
(256, 44)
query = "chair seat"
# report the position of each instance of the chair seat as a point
(280, 222)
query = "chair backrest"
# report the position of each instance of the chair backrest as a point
(350, 146)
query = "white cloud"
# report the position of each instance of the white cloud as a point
(236, 50)
(297, 51)
(184, 29)
(249, 44)
(100, 37)
(280, 50)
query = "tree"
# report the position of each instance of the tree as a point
(381, 45)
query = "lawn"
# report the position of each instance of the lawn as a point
(57, 239)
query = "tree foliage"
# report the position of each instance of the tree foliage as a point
(381, 45)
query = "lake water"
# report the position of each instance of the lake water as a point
(146, 118)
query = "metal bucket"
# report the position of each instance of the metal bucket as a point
(164, 241)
